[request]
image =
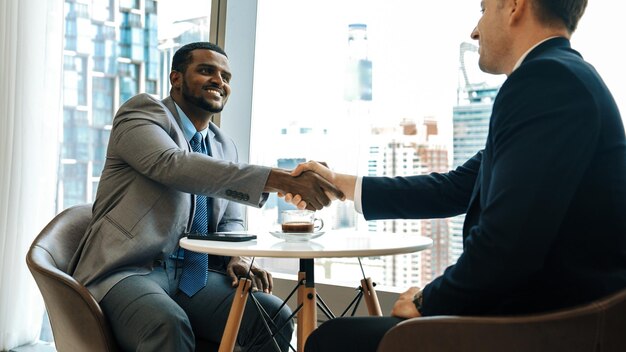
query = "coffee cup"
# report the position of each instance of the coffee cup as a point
(300, 221)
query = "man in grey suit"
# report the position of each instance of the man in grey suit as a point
(129, 258)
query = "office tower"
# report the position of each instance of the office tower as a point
(305, 142)
(176, 35)
(407, 150)
(351, 127)
(470, 127)
(357, 119)
(110, 55)
(359, 66)
(433, 154)
(358, 97)
(396, 154)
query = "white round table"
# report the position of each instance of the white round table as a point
(329, 245)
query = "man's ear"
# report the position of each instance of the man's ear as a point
(518, 9)
(176, 79)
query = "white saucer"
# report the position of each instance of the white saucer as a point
(296, 236)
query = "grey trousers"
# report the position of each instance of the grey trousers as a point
(149, 313)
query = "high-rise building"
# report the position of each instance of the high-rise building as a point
(358, 84)
(406, 150)
(304, 140)
(395, 154)
(434, 157)
(358, 98)
(110, 55)
(178, 34)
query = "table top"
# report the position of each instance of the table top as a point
(332, 244)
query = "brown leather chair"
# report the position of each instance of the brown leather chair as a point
(77, 321)
(597, 326)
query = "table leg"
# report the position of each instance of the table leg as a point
(234, 317)
(307, 316)
(371, 299)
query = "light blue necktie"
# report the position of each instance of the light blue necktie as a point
(195, 265)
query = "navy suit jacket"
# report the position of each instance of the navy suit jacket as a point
(545, 201)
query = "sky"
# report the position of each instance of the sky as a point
(175, 10)
(600, 39)
(415, 52)
(301, 51)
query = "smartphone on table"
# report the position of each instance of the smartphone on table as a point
(222, 236)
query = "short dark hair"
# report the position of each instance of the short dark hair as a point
(182, 57)
(567, 12)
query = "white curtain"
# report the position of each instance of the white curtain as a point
(31, 60)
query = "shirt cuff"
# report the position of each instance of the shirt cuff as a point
(357, 194)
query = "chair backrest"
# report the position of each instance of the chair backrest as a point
(597, 326)
(77, 321)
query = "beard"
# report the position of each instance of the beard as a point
(200, 102)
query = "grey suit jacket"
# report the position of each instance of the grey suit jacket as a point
(146, 193)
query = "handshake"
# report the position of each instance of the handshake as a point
(311, 185)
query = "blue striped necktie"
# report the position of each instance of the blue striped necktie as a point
(195, 265)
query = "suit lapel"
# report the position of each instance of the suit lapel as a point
(170, 105)
(217, 205)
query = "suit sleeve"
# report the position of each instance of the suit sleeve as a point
(543, 133)
(420, 197)
(142, 137)
(233, 218)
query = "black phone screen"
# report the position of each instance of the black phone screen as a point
(223, 236)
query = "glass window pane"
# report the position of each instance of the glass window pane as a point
(367, 93)
(102, 100)
(382, 88)
(104, 66)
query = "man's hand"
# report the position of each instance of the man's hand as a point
(344, 183)
(313, 189)
(404, 306)
(261, 279)
(320, 168)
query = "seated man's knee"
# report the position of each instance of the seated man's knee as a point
(285, 314)
(172, 324)
(166, 327)
(256, 328)
(282, 317)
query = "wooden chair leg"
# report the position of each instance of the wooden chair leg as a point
(309, 316)
(371, 299)
(300, 318)
(234, 317)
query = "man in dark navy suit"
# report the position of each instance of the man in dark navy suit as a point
(545, 200)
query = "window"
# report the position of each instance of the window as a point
(105, 49)
(75, 80)
(378, 88)
(372, 85)
(104, 67)
(396, 88)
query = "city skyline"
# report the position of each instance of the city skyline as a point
(395, 146)
(100, 75)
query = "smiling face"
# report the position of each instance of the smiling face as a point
(205, 83)
(492, 33)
